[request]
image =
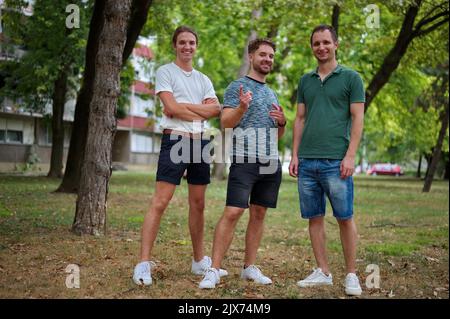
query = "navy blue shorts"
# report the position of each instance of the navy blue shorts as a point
(259, 182)
(180, 153)
(318, 179)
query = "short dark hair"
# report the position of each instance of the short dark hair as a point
(182, 29)
(255, 44)
(323, 27)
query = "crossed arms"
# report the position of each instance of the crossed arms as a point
(209, 108)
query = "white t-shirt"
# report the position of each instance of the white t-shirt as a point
(191, 89)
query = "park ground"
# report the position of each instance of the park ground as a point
(401, 230)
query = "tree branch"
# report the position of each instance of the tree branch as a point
(431, 29)
(423, 22)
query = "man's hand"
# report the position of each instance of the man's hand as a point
(293, 166)
(167, 113)
(244, 99)
(277, 114)
(347, 166)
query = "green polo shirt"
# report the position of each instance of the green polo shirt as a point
(326, 133)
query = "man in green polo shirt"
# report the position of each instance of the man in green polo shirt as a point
(327, 131)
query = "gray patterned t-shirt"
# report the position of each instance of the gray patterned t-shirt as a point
(256, 135)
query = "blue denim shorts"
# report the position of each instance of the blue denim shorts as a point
(318, 178)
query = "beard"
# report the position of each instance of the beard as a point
(258, 68)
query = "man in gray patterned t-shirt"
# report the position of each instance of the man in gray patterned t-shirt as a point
(251, 109)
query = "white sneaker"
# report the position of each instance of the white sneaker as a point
(143, 273)
(352, 286)
(317, 278)
(253, 273)
(200, 267)
(210, 280)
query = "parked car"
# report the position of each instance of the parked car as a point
(385, 169)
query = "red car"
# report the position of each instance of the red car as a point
(385, 169)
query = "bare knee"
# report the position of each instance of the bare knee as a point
(159, 204)
(197, 205)
(257, 213)
(316, 223)
(232, 214)
(347, 224)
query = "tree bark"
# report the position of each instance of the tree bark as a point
(90, 217)
(437, 150)
(58, 101)
(78, 139)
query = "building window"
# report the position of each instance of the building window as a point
(11, 136)
(141, 143)
(141, 107)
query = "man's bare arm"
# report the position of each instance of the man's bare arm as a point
(348, 163)
(209, 108)
(179, 110)
(299, 124)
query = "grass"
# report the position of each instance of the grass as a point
(402, 230)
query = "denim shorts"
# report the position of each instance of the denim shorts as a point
(171, 170)
(318, 178)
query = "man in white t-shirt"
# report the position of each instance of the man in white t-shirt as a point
(188, 99)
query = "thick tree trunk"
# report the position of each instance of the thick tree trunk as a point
(59, 99)
(437, 150)
(78, 139)
(90, 217)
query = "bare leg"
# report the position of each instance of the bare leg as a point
(161, 198)
(196, 219)
(349, 238)
(318, 241)
(254, 233)
(224, 232)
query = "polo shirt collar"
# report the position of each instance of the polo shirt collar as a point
(336, 70)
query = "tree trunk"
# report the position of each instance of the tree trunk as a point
(139, 12)
(59, 99)
(335, 17)
(447, 166)
(90, 217)
(245, 65)
(419, 167)
(78, 139)
(437, 150)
